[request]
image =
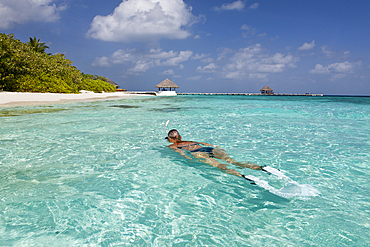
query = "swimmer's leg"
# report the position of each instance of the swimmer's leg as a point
(220, 154)
(249, 165)
(205, 158)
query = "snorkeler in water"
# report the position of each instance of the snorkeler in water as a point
(206, 153)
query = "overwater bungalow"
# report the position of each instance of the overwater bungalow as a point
(165, 88)
(266, 90)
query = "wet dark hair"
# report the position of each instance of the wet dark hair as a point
(174, 134)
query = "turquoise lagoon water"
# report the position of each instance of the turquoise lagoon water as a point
(99, 173)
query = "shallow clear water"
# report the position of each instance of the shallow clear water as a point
(99, 173)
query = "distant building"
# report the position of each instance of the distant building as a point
(266, 90)
(164, 86)
(112, 82)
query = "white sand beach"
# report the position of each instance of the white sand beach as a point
(10, 99)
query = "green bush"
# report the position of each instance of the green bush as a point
(24, 69)
(43, 83)
(96, 86)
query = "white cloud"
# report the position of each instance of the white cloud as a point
(101, 62)
(224, 53)
(122, 56)
(345, 67)
(328, 53)
(144, 20)
(207, 60)
(249, 31)
(336, 70)
(204, 58)
(177, 58)
(254, 6)
(245, 27)
(199, 56)
(255, 62)
(331, 54)
(307, 46)
(141, 62)
(23, 11)
(208, 68)
(235, 75)
(159, 54)
(319, 69)
(237, 5)
(141, 67)
(197, 36)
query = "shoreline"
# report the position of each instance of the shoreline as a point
(13, 99)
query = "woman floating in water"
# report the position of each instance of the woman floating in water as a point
(206, 153)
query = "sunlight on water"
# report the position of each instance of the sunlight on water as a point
(99, 173)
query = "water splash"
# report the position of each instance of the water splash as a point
(291, 189)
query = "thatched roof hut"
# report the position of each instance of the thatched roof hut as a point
(112, 82)
(166, 84)
(266, 90)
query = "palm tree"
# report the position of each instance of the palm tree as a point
(37, 46)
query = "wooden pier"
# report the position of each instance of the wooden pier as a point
(252, 94)
(238, 94)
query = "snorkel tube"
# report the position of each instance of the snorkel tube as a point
(165, 126)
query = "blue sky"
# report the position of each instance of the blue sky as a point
(317, 46)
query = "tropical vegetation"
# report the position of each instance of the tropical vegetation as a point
(37, 45)
(25, 67)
